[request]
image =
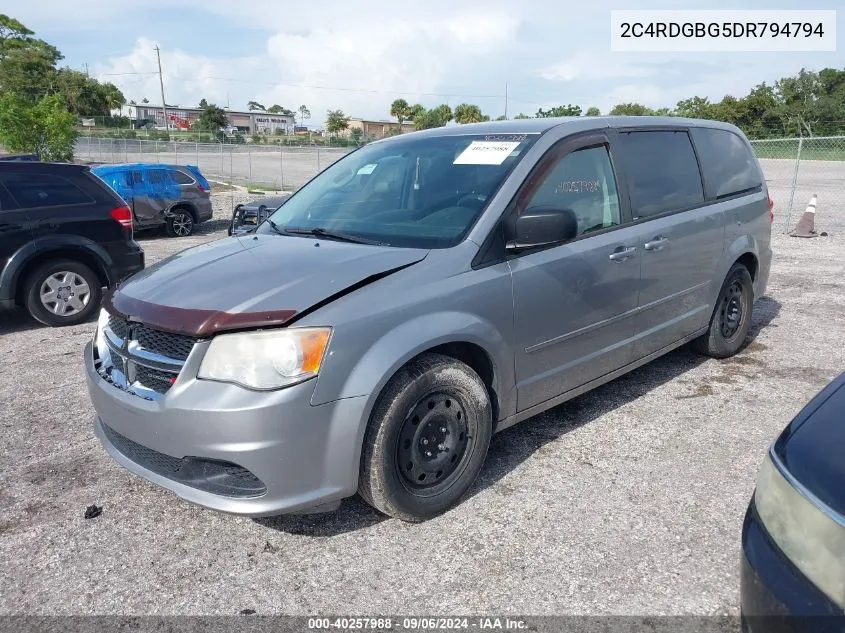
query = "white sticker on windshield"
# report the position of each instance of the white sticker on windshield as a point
(486, 153)
(367, 169)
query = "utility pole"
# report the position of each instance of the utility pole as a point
(161, 82)
(86, 70)
(506, 99)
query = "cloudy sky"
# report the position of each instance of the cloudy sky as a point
(359, 56)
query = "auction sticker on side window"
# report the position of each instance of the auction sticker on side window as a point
(486, 153)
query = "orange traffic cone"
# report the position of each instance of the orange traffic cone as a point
(806, 225)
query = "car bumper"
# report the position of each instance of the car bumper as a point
(204, 210)
(304, 457)
(127, 259)
(775, 596)
(761, 281)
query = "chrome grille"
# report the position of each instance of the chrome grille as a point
(175, 346)
(142, 360)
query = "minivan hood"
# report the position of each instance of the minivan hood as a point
(250, 281)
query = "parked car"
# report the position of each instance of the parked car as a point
(421, 293)
(246, 217)
(64, 235)
(177, 197)
(793, 538)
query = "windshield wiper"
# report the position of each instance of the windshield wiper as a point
(327, 233)
(274, 226)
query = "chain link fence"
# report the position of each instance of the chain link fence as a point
(280, 168)
(797, 169)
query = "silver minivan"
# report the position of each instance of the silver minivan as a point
(420, 294)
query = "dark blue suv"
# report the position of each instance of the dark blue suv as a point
(176, 197)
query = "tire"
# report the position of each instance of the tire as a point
(62, 292)
(180, 223)
(731, 317)
(433, 402)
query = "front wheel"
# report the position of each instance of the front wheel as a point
(426, 440)
(731, 318)
(62, 292)
(180, 223)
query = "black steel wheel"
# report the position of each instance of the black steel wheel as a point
(731, 317)
(426, 440)
(433, 443)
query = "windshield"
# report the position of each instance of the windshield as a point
(419, 192)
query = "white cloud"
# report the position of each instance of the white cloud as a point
(363, 61)
(595, 65)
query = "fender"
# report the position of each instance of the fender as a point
(742, 245)
(10, 275)
(395, 348)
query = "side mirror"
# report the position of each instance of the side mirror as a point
(541, 226)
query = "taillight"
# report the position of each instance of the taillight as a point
(123, 215)
(771, 212)
(201, 188)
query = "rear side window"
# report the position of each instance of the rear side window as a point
(181, 178)
(662, 172)
(156, 176)
(137, 178)
(726, 163)
(42, 190)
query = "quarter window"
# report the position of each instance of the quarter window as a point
(181, 178)
(662, 172)
(584, 182)
(726, 162)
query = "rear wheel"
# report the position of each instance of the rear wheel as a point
(180, 223)
(731, 318)
(427, 439)
(62, 292)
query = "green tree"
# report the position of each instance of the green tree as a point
(592, 111)
(145, 100)
(501, 117)
(203, 103)
(357, 135)
(336, 121)
(212, 118)
(254, 105)
(567, 110)
(15, 36)
(522, 116)
(28, 72)
(695, 108)
(304, 113)
(416, 110)
(436, 117)
(468, 113)
(45, 128)
(277, 109)
(401, 110)
(630, 109)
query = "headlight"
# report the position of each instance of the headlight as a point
(809, 537)
(265, 360)
(100, 336)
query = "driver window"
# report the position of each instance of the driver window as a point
(582, 181)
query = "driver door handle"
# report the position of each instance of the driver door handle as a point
(656, 244)
(623, 254)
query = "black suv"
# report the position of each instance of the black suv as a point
(64, 235)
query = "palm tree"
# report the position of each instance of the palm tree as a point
(401, 110)
(468, 113)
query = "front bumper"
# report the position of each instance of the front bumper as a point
(775, 596)
(304, 456)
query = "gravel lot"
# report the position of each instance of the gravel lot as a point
(627, 500)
